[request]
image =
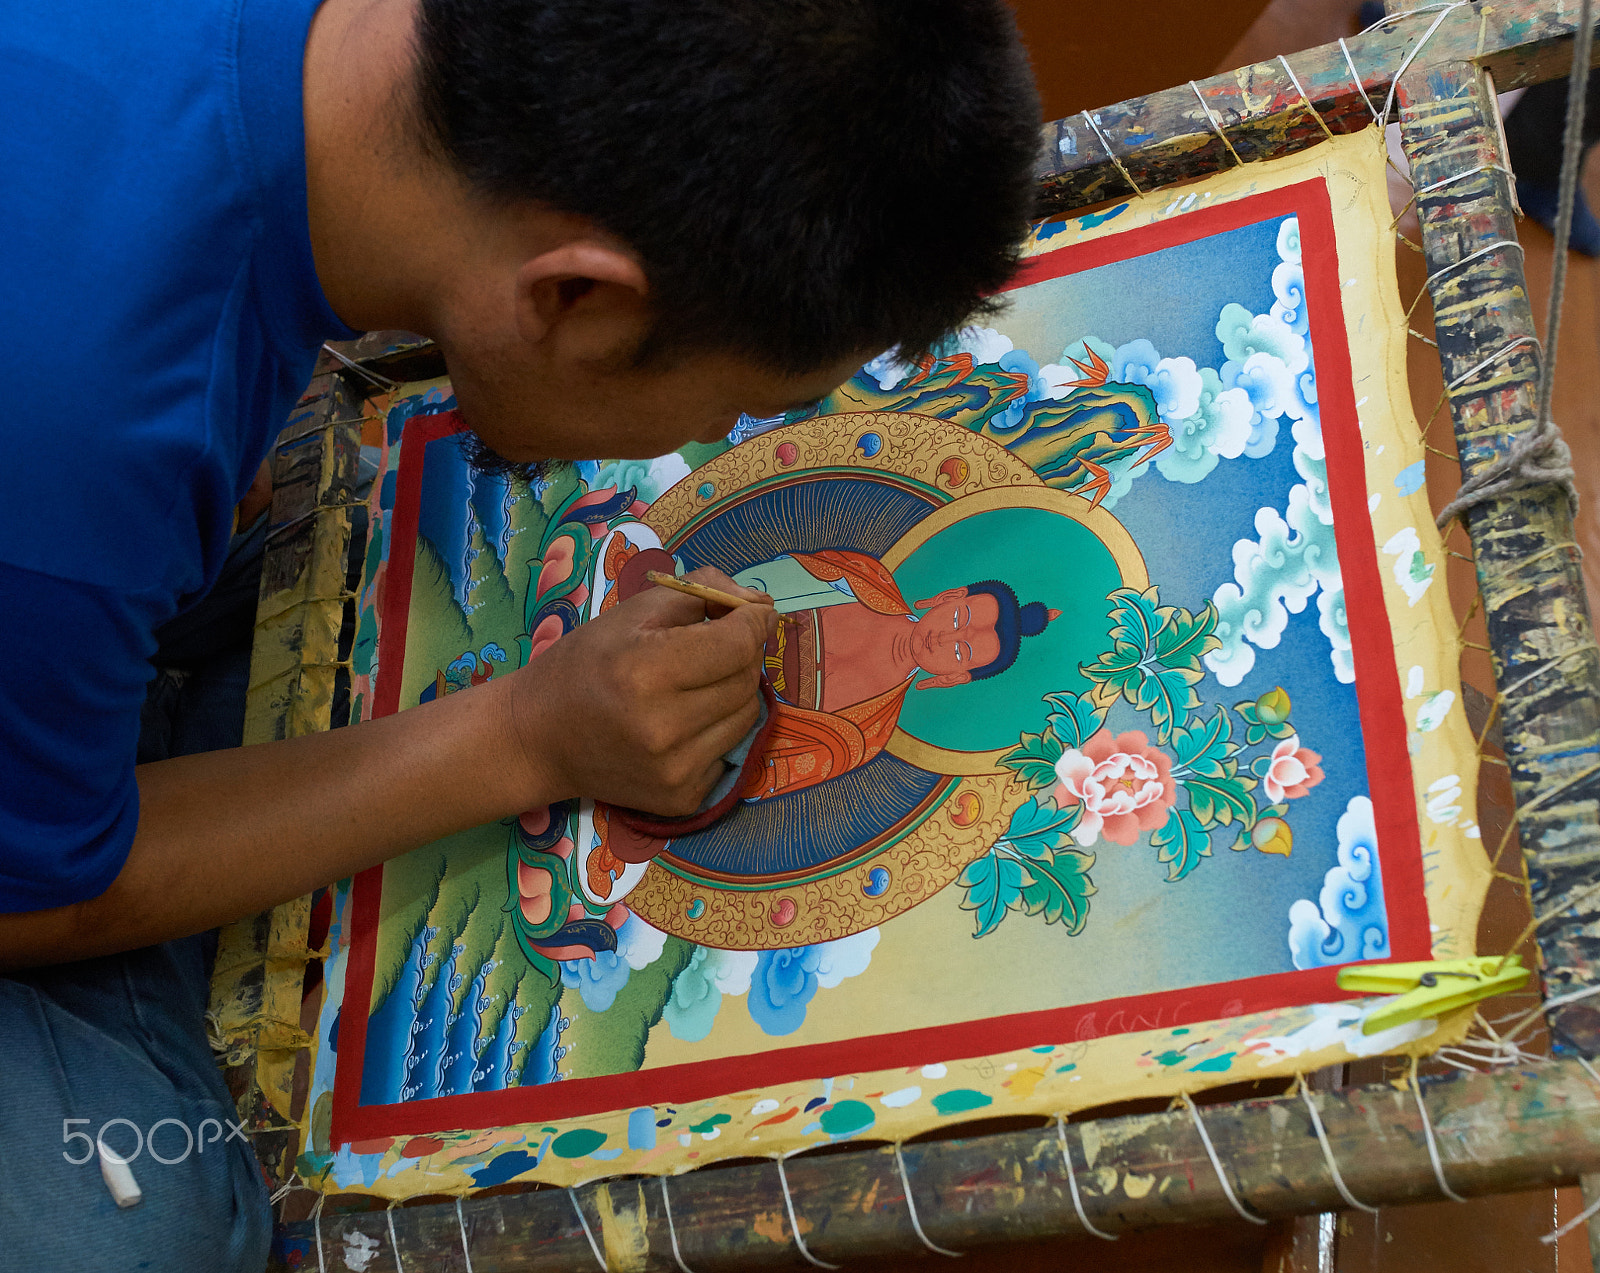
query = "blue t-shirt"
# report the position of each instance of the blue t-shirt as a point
(159, 316)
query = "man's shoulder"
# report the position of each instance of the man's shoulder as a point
(158, 275)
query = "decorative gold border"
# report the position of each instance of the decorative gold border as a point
(953, 460)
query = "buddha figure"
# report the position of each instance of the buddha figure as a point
(850, 648)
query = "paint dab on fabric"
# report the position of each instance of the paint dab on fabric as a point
(898, 1100)
(503, 1168)
(847, 1118)
(1093, 219)
(1409, 480)
(578, 1143)
(1411, 568)
(1433, 710)
(1215, 1064)
(960, 1101)
(934, 1071)
(642, 1129)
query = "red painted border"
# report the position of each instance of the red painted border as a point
(1378, 697)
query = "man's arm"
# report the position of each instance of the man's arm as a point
(635, 708)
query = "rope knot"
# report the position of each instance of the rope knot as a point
(1538, 457)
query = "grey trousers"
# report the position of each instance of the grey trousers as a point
(114, 1050)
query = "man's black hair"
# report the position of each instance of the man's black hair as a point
(802, 179)
(487, 462)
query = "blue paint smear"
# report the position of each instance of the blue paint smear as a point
(1092, 219)
(1410, 478)
(504, 1168)
(642, 1129)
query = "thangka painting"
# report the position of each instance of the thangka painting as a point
(1115, 711)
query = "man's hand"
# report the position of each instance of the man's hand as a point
(637, 707)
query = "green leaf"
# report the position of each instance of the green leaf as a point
(993, 883)
(1283, 729)
(1220, 800)
(1061, 889)
(1167, 694)
(1182, 843)
(1075, 719)
(1205, 742)
(1207, 749)
(1183, 637)
(1034, 759)
(1037, 829)
(1248, 711)
(1134, 618)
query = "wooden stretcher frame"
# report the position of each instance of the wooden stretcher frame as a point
(1527, 1128)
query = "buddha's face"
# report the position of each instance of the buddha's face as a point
(955, 636)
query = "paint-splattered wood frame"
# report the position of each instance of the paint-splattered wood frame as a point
(1542, 1127)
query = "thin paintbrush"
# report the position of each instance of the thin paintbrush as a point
(714, 595)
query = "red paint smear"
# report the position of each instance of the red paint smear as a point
(1383, 730)
(379, 1145)
(421, 1147)
(779, 1118)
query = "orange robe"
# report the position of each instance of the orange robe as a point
(806, 747)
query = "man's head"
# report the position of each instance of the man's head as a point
(723, 205)
(969, 634)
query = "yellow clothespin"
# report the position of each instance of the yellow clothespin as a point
(1433, 987)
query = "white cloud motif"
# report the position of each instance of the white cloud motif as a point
(1219, 427)
(889, 370)
(638, 944)
(1289, 240)
(651, 479)
(847, 957)
(1243, 334)
(1348, 921)
(985, 344)
(1276, 574)
(691, 1009)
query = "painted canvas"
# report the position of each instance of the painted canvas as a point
(1113, 712)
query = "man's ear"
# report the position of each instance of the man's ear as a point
(944, 680)
(589, 293)
(949, 594)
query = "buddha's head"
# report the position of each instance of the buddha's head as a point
(968, 634)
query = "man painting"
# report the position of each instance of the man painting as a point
(623, 222)
(841, 665)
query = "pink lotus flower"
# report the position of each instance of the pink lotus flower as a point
(1292, 771)
(1124, 785)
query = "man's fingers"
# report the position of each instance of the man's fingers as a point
(727, 733)
(711, 652)
(734, 699)
(701, 756)
(664, 608)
